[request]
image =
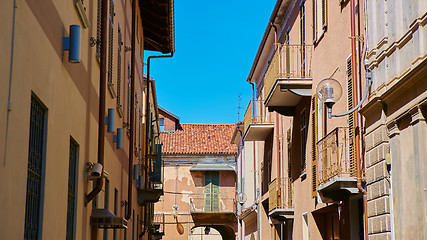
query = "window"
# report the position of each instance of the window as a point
(305, 233)
(212, 191)
(133, 225)
(35, 174)
(320, 19)
(162, 124)
(116, 196)
(303, 129)
(314, 138)
(72, 184)
(106, 203)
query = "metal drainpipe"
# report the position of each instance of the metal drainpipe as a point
(132, 110)
(254, 150)
(279, 195)
(102, 87)
(147, 125)
(356, 122)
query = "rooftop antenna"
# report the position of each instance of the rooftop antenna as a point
(239, 107)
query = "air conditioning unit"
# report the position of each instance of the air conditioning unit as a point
(81, 9)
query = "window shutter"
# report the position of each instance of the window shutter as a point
(98, 32)
(110, 44)
(208, 193)
(119, 66)
(314, 22)
(289, 141)
(128, 100)
(350, 101)
(313, 145)
(324, 14)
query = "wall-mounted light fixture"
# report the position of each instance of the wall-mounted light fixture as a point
(118, 138)
(72, 44)
(329, 91)
(109, 120)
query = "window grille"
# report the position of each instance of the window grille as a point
(116, 199)
(110, 43)
(98, 31)
(36, 149)
(106, 203)
(72, 177)
(119, 67)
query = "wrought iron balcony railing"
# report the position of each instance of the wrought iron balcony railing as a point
(280, 194)
(220, 202)
(334, 157)
(257, 117)
(291, 63)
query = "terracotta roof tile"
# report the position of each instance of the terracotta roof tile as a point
(199, 139)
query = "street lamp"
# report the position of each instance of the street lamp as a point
(329, 91)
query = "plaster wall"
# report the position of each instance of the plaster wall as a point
(70, 94)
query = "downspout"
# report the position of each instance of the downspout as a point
(279, 192)
(147, 126)
(132, 110)
(101, 110)
(255, 172)
(9, 108)
(356, 122)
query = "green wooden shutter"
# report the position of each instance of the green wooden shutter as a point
(215, 191)
(208, 183)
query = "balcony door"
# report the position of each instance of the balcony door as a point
(212, 191)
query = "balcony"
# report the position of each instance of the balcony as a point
(257, 126)
(218, 208)
(157, 228)
(336, 169)
(280, 203)
(151, 191)
(288, 78)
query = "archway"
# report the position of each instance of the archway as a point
(211, 232)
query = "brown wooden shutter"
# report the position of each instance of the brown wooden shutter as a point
(313, 145)
(110, 44)
(98, 32)
(350, 101)
(119, 67)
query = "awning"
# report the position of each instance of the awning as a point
(211, 167)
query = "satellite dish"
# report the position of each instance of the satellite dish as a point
(241, 198)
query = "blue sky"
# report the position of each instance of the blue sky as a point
(215, 46)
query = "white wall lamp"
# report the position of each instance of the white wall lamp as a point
(329, 91)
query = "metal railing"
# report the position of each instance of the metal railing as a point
(259, 117)
(289, 62)
(333, 155)
(213, 202)
(280, 197)
(159, 223)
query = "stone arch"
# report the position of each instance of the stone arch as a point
(226, 231)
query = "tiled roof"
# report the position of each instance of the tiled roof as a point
(199, 139)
